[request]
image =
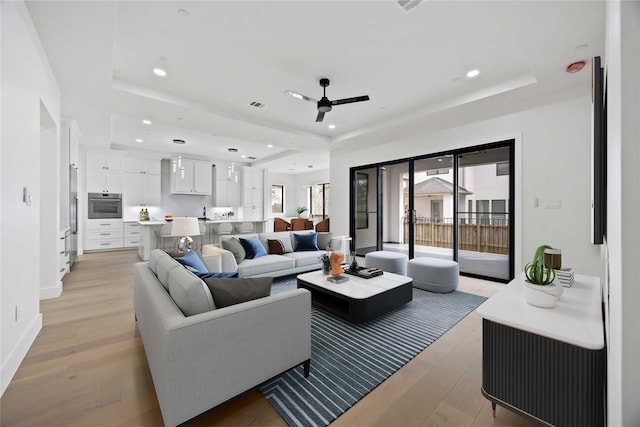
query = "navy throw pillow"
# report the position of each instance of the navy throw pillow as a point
(193, 262)
(253, 247)
(305, 242)
(217, 275)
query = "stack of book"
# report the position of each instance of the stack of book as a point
(565, 276)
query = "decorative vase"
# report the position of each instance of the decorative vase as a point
(543, 296)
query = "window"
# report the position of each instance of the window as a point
(319, 196)
(482, 211)
(277, 199)
(502, 168)
(499, 212)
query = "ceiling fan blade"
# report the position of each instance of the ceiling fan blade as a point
(320, 116)
(349, 100)
(299, 96)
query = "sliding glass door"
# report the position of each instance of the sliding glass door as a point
(484, 226)
(456, 205)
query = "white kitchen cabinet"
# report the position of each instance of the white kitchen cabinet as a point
(253, 193)
(104, 172)
(191, 177)
(104, 234)
(141, 189)
(131, 234)
(142, 165)
(142, 182)
(228, 191)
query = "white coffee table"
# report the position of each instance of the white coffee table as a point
(358, 299)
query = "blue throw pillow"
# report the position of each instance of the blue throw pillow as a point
(217, 275)
(193, 262)
(253, 247)
(305, 242)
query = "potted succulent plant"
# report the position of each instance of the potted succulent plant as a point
(539, 288)
(537, 272)
(300, 210)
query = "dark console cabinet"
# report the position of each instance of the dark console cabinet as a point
(548, 365)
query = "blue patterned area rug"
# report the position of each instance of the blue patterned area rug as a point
(349, 360)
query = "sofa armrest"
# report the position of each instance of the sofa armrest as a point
(213, 262)
(202, 361)
(228, 262)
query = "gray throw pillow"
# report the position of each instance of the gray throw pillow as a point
(324, 240)
(234, 246)
(228, 292)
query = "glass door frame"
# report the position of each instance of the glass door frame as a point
(510, 143)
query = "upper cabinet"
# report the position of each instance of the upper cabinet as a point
(228, 186)
(141, 181)
(142, 165)
(190, 176)
(104, 172)
(253, 193)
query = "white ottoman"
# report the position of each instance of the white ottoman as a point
(433, 274)
(392, 262)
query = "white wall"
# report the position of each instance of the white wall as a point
(552, 163)
(623, 204)
(27, 81)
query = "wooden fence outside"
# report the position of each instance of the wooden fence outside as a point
(489, 238)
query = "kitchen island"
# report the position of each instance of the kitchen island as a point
(149, 240)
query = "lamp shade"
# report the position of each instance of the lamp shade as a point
(185, 226)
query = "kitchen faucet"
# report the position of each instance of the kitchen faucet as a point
(204, 213)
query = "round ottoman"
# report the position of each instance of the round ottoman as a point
(433, 274)
(392, 262)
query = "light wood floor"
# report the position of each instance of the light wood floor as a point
(87, 367)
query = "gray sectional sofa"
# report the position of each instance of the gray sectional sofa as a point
(290, 262)
(199, 361)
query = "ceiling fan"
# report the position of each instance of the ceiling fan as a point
(325, 105)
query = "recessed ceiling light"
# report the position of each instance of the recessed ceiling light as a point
(146, 122)
(332, 126)
(232, 150)
(251, 158)
(159, 72)
(183, 12)
(178, 141)
(310, 166)
(139, 140)
(270, 146)
(473, 73)
(243, 156)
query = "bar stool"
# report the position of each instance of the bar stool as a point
(220, 229)
(244, 227)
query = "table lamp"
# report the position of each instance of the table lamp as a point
(185, 227)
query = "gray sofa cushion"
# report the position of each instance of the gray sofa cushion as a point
(324, 239)
(235, 247)
(305, 258)
(228, 292)
(153, 259)
(189, 293)
(265, 264)
(164, 265)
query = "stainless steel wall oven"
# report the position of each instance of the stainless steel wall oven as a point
(104, 205)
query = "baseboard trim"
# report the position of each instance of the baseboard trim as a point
(52, 292)
(17, 355)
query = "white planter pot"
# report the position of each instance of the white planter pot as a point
(542, 296)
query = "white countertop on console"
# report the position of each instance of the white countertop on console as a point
(576, 319)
